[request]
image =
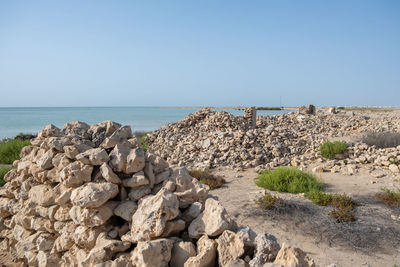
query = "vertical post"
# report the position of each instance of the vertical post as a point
(250, 114)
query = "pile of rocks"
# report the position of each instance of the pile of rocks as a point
(207, 138)
(90, 196)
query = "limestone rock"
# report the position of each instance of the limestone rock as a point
(94, 156)
(206, 253)
(213, 221)
(75, 174)
(45, 161)
(121, 134)
(152, 214)
(181, 252)
(266, 250)
(155, 253)
(135, 161)
(139, 192)
(126, 209)
(42, 195)
(108, 174)
(394, 168)
(293, 257)
(92, 217)
(93, 195)
(138, 179)
(230, 247)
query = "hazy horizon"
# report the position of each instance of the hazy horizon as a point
(193, 54)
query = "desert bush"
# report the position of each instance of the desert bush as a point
(291, 180)
(389, 197)
(330, 149)
(382, 140)
(142, 136)
(268, 201)
(10, 150)
(320, 198)
(3, 171)
(205, 177)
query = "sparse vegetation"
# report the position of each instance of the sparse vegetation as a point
(394, 161)
(291, 180)
(382, 140)
(320, 198)
(10, 150)
(330, 149)
(389, 197)
(343, 205)
(205, 177)
(3, 171)
(142, 136)
(268, 201)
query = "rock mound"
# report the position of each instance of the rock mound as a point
(207, 138)
(90, 196)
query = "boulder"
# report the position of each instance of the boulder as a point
(108, 174)
(119, 136)
(75, 174)
(92, 217)
(93, 195)
(155, 253)
(138, 179)
(94, 156)
(149, 220)
(135, 161)
(126, 209)
(212, 221)
(266, 249)
(181, 252)
(42, 195)
(206, 253)
(230, 247)
(293, 257)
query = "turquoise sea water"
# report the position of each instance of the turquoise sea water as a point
(31, 120)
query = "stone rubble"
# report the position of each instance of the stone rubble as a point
(90, 196)
(206, 139)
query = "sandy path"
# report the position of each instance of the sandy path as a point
(373, 240)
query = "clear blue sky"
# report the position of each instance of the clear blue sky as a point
(184, 53)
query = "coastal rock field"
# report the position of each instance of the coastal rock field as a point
(91, 196)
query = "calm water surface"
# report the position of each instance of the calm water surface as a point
(31, 120)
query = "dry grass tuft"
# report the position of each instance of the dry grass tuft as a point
(268, 201)
(205, 177)
(390, 197)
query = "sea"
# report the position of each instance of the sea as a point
(30, 120)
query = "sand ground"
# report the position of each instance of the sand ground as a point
(372, 240)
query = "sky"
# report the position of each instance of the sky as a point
(199, 53)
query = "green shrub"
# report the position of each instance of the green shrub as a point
(142, 136)
(10, 150)
(320, 198)
(330, 149)
(268, 201)
(3, 171)
(291, 180)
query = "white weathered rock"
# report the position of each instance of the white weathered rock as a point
(92, 217)
(155, 253)
(108, 174)
(126, 209)
(188, 189)
(139, 192)
(266, 249)
(206, 253)
(153, 213)
(75, 174)
(230, 247)
(181, 252)
(213, 221)
(394, 168)
(138, 179)
(42, 195)
(94, 156)
(86, 236)
(93, 195)
(119, 136)
(135, 161)
(192, 212)
(293, 257)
